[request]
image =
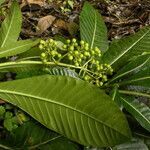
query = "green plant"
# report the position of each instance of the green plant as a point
(67, 6)
(11, 117)
(52, 90)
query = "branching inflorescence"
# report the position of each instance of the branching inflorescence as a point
(78, 54)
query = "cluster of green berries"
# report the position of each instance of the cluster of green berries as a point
(80, 55)
(100, 74)
(50, 50)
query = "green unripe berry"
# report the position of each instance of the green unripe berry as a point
(76, 64)
(81, 55)
(86, 53)
(55, 43)
(86, 48)
(93, 61)
(64, 46)
(97, 62)
(51, 40)
(74, 40)
(109, 67)
(100, 75)
(101, 67)
(79, 60)
(111, 70)
(86, 78)
(71, 48)
(97, 50)
(59, 55)
(100, 83)
(41, 47)
(42, 42)
(76, 44)
(43, 55)
(86, 44)
(98, 68)
(99, 55)
(82, 42)
(70, 57)
(68, 41)
(76, 52)
(53, 53)
(104, 78)
(92, 52)
(97, 82)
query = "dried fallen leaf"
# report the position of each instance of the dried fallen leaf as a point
(44, 23)
(28, 2)
(2, 102)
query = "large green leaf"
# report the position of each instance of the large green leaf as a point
(31, 135)
(33, 53)
(11, 26)
(132, 68)
(142, 78)
(139, 110)
(92, 28)
(70, 107)
(17, 48)
(121, 51)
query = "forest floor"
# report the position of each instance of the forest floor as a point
(52, 18)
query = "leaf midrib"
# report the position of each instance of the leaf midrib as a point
(57, 103)
(129, 71)
(13, 14)
(129, 48)
(94, 32)
(5, 51)
(135, 109)
(134, 80)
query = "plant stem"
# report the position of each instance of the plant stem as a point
(29, 62)
(114, 92)
(5, 147)
(134, 93)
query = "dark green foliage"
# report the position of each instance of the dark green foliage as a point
(52, 91)
(31, 135)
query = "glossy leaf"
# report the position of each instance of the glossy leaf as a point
(121, 51)
(92, 28)
(132, 67)
(17, 48)
(32, 135)
(70, 107)
(32, 54)
(139, 110)
(142, 78)
(11, 26)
